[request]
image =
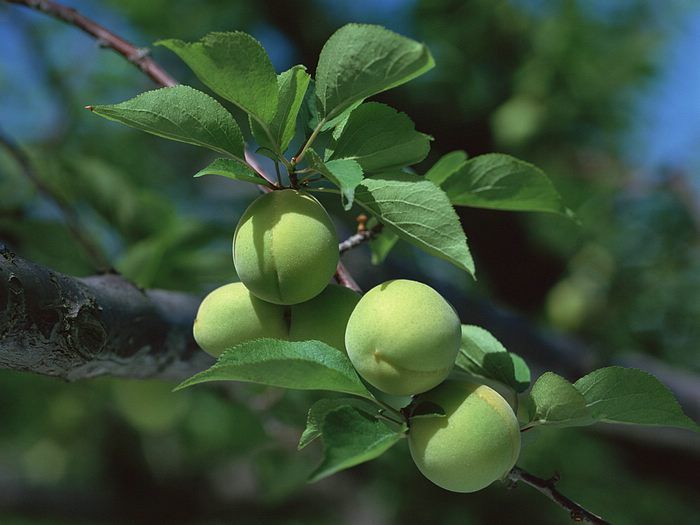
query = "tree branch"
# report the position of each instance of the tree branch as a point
(137, 56)
(359, 238)
(548, 488)
(57, 325)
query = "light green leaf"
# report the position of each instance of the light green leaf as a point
(502, 182)
(361, 60)
(235, 66)
(322, 407)
(180, 113)
(446, 166)
(346, 174)
(232, 169)
(351, 437)
(300, 365)
(379, 138)
(292, 88)
(556, 402)
(481, 354)
(418, 212)
(628, 395)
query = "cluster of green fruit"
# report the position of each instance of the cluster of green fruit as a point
(402, 336)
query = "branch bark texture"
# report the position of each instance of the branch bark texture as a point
(548, 488)
(57, 325)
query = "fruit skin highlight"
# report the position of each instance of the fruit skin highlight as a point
(231, 315)
(324, 317)
(403, 337)
(476, 443)
(285, 248)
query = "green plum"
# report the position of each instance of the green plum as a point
(231, 315)
(285, 248)
(476, 443)
(403, 337)
(324, 317)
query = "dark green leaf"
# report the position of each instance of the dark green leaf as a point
(628, 395)
(418, 212)
(180, 113)
(235, 66)
(232, 169)
(292, 88)
(379, 138)
(322, 407)
(346, 174)
(502, 182)
(446, 167)
(360, 60)
(300, 365)
(481, 354)
(381, 245)
(351, 437)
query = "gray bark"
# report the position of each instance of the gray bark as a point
(57, 325)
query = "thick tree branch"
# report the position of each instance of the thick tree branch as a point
(57, 325)
(137, 56)
(548, 488)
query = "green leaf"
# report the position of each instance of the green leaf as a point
(502, 182)
(521, 372)
(556, 402)
(233, 170)
(300, 365)
(381, 245)
(292, 88)
(481, 354)
(351, 437)
(309, 116)
(628, 395)
(379, 138)
(180, 113)
(322, 407)
(418, 212)
(346, 174)
(446, 166)
(235, 66)
(360, 60)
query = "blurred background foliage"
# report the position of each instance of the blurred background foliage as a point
(602, 95)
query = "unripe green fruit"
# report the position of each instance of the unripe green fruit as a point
(324, 317)
(476, 443)
(403, 337)
(285, 248)
(231, 315)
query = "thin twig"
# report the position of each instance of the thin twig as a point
(89, 245)
(137, 56)
(359, 238)
(548, 488)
